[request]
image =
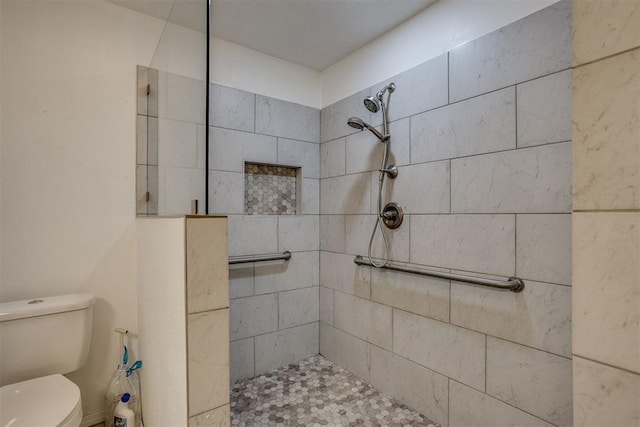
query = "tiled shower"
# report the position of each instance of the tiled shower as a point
(482, 139)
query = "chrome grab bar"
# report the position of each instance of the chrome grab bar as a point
(259, 258)
(513, 284)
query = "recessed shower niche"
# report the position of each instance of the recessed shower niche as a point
(271, 189)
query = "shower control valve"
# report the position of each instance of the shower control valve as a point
(392, 215)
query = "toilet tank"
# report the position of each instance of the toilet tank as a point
(44, 336)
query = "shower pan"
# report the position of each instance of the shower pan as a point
(391, 215)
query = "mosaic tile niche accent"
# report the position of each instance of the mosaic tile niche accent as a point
(270, 189)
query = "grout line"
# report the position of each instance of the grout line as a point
(486, 339)
(456, 326)
(207, 410)
(448, 77)
(606, 211)
(448, 400)
(607, 364)
(208, 311)
(604, 58)
(275, 331)
(254, 355)
(452, 158)
(515, 107)
(502, 401)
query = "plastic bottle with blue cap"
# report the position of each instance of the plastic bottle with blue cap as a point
(123, 416)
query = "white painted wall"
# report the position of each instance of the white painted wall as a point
(181, 51)
(243, 68)
(438, 29)
(68, 162)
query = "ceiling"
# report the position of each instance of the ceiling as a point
(313, 33)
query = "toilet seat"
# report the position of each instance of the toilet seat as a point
(51, 401)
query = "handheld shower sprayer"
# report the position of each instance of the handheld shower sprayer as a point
(391, 214)
(358, 123)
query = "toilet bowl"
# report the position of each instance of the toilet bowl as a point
(41, 339)
(41, 402)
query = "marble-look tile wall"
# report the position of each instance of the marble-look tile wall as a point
(482, 138)
(170, 143)
(274, 307)
(606, 212)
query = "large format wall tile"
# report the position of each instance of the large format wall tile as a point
(604, 27)
(226, 194)
(422, 295)
(333, 119)
(345, 350)
(418, 89)
(286, 346)
(482, 243)
(332, 233)
(207, 271)
(364, 151)
(299, 233)
(539, 316)
(347, 194)
(206, 332)
(419, 189)
(252, 235)
(358, 235)
(534, 46)
(231, 108)
(339, 272)
(231, 148)
(364, 319)
(310, 196)
(332, 158)
(606, 291)
(532, 380)
(420, 388)
(326, 305)
(605, 396)
(543, 248)
(241, 357)
(544, 110)
(253, 316)
(455, 352)
(300, 153)
(470, 408)
(606, 132)
(286, 119)
(217, 417)
(298, 307)
(300, 271)
(536, 179)
(241, 280)
(479, 125)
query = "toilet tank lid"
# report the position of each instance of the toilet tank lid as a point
(41, 306)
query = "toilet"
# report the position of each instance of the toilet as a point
(40, 340)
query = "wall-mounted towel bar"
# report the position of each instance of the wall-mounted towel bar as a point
(258, 258)
(513, 284)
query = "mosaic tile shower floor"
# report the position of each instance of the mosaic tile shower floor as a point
(316, 392)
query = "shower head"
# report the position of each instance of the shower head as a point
(372, 104)
(358, 123)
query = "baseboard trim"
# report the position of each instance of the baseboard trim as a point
(93, 419)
